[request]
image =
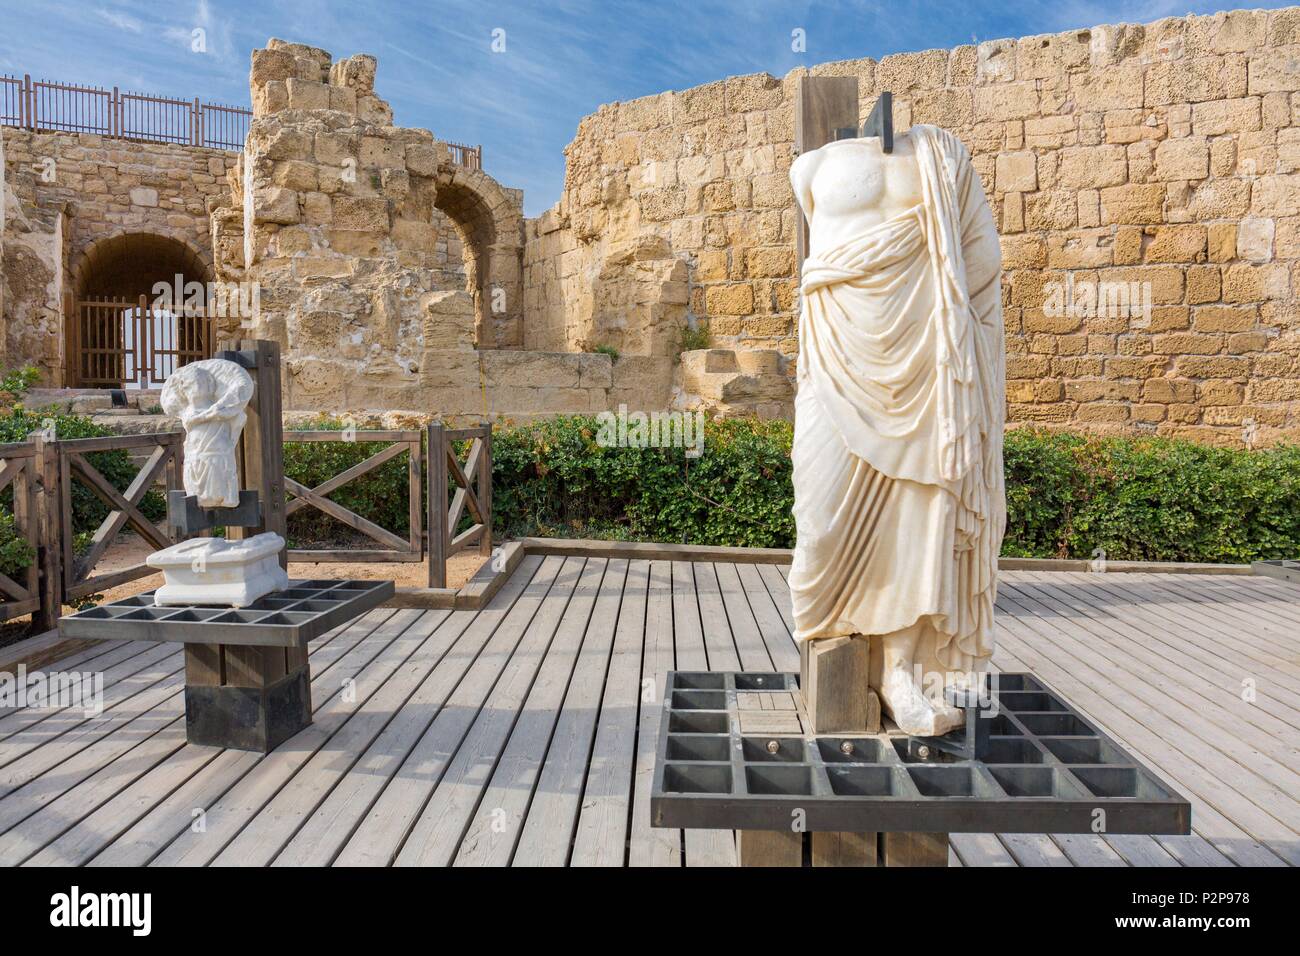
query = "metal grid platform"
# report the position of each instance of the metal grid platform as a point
(289, 618)
(732, 754)
(1282, 570)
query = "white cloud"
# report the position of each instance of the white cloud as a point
(120, 20)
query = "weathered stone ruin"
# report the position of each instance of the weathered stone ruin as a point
(1162, 158)
(353, 230)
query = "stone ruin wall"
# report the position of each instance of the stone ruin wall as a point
(1166, 154)
(60, 194)
(353, 229)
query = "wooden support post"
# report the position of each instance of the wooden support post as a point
(833, 676)
(48, 520)
(843, 849)
(437, 506)
(246, 697)
(834, 671)
(769, 847)
(914, 849)
(823, 104)
(415, 493)
(484, 488)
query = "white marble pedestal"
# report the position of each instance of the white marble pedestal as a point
(220, 572)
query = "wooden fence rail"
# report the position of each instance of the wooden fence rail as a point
(42, 473)
(395, 548)
(164, 464)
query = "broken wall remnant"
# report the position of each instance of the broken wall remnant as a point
(353, 229)
(65, 198)
(1162, 158)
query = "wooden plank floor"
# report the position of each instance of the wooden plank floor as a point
(523, 733)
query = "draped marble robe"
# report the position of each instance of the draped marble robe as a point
(899, 496)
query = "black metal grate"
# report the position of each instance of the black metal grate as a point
(1048, 768)
(287, 618)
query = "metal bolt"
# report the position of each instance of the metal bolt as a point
(773, 746)
(846, 747)
(923, 752)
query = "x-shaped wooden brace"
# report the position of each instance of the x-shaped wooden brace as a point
(316, 498)
(10, 469)
(465, 495)
(125, 506)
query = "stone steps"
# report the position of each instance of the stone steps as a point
(95, 401)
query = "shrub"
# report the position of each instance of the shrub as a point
(1068, 496)
(15, 384)
(551, 477)
(16, 555)
(694, 338)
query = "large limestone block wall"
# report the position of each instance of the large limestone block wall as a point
(1166, 154)
(61, 195)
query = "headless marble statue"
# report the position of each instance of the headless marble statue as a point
(899, 497)
(209, 398)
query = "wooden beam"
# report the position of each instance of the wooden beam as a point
(356, 471)
(485, 492)
(436, 505)
(415, 496)
(344, 516)
(834, 674)
(261, 455)
(843, 849)
(769, 847)
(822, 104)
(914, 849)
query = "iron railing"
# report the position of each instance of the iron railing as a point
(67, 107)
(471, 157)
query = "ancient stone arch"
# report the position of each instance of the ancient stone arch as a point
(119, 329)
(129, 264)
(491, 229)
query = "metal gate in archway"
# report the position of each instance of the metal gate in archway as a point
(120, 342)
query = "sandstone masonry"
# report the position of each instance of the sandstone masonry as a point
(1165, 154)
(61, 195)
(349, 224)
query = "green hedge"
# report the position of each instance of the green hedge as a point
(1067, 495)
(552, 478)
(16, 555)
(1149, 499)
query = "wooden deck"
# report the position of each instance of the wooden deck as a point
(524, 733)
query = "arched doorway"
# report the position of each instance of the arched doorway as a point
(490, 226)
(139, 311)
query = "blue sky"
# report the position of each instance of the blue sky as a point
(561, 59)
